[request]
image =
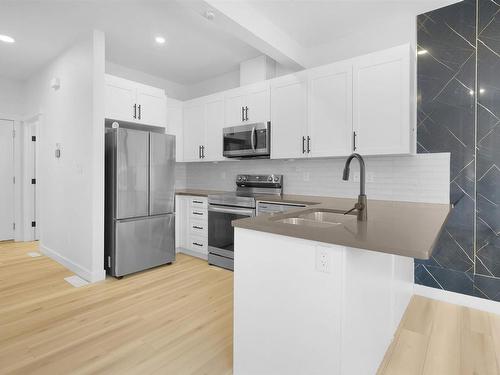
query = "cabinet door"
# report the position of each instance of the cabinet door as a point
(257, 104)
(152, 106)
(234, 108)
(289, 118)
(330, 110)
(120, 95)
(175, 126)
(382, 119)
(194, 131)
(214, 112)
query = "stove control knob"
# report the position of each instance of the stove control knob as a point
(239, 178)
(276, 179)
(244, 178)
(270, 179)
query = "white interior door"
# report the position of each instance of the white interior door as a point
(6, 180)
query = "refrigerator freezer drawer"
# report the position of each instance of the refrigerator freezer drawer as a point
(143, 243)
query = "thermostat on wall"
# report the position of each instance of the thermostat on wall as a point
(55, 83)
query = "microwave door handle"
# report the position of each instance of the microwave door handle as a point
(252, 140)
(236, 211)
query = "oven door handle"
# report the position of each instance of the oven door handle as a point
(228, 210)
(252, 140)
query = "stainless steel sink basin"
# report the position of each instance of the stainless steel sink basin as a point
(320, 217)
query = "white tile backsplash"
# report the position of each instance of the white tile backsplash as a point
(417, 178)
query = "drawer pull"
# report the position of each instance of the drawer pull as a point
(198, 213)
(199, 202)
(197, 227)
(197, 244)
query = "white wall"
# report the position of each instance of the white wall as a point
(223, 82)
(398, 28)
(419, 178)
(173, 89)
(72, 187)
(11, 97)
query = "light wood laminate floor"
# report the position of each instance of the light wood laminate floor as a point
(178, 320)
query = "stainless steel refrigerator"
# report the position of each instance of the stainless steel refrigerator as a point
(139, 217)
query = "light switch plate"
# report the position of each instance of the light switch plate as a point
(323, 260)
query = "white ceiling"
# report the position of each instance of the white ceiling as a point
(196, 50)
(315, 22)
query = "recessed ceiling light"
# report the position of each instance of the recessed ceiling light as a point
(6, 39)
(160, 40)
(422, 52)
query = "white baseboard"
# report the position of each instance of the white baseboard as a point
(458, 299)
(84, 273)
(192, 253)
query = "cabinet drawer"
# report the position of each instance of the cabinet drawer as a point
(199, 203)
(198, 244)
(198, 227)
(198, 214)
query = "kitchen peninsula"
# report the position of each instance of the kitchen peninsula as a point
(316, 297)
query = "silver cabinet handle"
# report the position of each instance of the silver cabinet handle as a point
(197, 227)
(199, 152)
(197, 244)
(252, 138)
(135, 110)
(303, 145)
(354, 141)
(198, 213)
(242, 113)
(246, 113)
(203, 152)
(308, 144)
(139, 111)
(199, 202)
(235, 211)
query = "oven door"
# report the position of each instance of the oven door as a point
(247, 140)
(221, 233)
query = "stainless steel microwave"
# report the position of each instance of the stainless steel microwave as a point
(243, 141)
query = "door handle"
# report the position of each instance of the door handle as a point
(139, 111)
(135, 110)
(246, 113)
(308, 144)
(303, 145)
(252, 138)
(354, 141)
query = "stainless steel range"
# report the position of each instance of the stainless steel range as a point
(226, 207)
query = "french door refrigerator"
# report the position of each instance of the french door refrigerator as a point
(140, 221)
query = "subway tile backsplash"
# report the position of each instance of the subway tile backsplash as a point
(417, 178)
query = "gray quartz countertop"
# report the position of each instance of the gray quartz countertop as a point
(197, 192)
(402, 228)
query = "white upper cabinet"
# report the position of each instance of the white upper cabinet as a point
(175, 125)
(194, 130)
(120, 99)
(152, 108)
(203, 123)
(383, 117)
(134, 102)
(330, 110)
(214, 123)
(289, 116)
(247, 105)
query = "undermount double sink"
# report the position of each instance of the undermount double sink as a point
(317, 217)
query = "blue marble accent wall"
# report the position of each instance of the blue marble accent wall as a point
(460, 53)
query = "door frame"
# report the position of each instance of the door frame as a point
(17, 171)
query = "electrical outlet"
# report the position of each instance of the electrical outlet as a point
(306, 176)
(323, 260)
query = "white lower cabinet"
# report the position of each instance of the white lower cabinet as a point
(303, 307)
(191, 225)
